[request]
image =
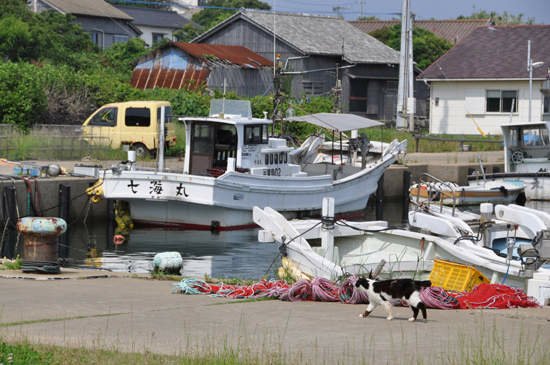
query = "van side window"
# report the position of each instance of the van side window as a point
(105, 117)
(137, 117)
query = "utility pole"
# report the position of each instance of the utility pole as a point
(405, 97)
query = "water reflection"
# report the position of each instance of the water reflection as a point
(227, 254)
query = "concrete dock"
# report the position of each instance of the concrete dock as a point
(138, 315)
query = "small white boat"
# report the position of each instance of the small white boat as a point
(450, 193)
(232, 165)
(526, 159)
(329, 249)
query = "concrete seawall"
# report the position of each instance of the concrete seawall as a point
(454, 166)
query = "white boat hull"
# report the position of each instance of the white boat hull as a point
(226, 202)
(406, 253)
(537, 186)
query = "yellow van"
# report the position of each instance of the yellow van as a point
(130, 125)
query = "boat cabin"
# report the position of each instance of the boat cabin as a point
(230, 139)
(526, 147)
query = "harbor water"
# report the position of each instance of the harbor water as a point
(231, 254)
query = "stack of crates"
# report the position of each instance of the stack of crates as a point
(456, 277)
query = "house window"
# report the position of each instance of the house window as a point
(502, 101)
(547, 104)
(312, 87)
(157, 37)
(96, 39)
(119, 38)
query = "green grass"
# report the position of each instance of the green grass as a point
(453, 145)
(26, 354)
(7, 264)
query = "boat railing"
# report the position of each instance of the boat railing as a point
(442, 188)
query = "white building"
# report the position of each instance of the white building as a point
(483, 81)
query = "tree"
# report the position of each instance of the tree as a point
(15, 39)
(219, 10)
(504, 18)
(427, 47)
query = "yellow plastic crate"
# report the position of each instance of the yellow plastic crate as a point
(451, 276)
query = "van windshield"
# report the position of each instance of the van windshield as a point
(105, 117)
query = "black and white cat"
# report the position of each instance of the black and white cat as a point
(381, 292)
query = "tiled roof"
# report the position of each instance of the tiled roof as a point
(154, 17)
(98, 8)
(237, 55)
(451, 30)
(317, 35)
(498, 52)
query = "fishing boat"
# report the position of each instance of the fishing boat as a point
(526, 159)
(230, 166)
(330, 248)
(450, 193)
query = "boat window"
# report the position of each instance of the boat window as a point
(138, 117)
(105, 117)
(202, 139)
(255, 134)
(535, 137)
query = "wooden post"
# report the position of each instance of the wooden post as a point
(380, 199)
(10, 214)
(416, 142)
(64, 213)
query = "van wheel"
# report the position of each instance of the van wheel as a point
(141, 150)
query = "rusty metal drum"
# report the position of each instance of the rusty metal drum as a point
(40, 234)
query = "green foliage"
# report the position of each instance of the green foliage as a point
(15, 38)
(188, 32)
(22, 99)
(122, 57)
(502, 18)
(16, 8)
(207, 18)
(426, 46)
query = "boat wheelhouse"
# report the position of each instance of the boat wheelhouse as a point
(526, 158)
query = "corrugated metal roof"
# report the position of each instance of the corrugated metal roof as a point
(453, 30)
(154, 17)
(498, 52)
(317, 35)
(97, 8)
(237, 55)
(192, 78)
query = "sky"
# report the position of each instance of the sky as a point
(539, 10)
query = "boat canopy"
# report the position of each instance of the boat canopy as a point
(339, 122)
